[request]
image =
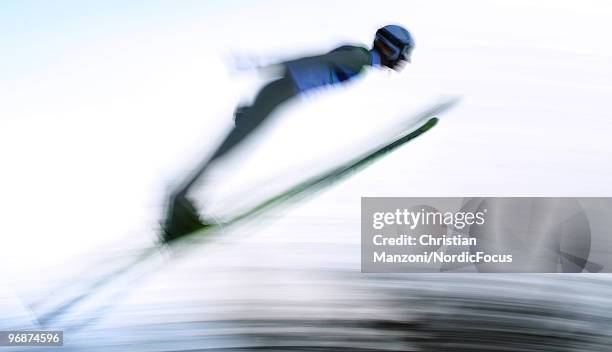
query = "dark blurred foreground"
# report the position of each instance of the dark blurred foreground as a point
(302, 310)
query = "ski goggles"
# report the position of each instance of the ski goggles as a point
(400, 50)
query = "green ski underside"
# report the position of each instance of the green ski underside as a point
(338, 173)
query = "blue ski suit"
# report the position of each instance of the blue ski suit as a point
(339, 65)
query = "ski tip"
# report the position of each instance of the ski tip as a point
(429, 124)
(432, 122)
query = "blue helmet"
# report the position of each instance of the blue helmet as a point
(394, 42)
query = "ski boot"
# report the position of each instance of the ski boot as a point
(182, 219)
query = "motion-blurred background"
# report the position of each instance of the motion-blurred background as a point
(104, 105)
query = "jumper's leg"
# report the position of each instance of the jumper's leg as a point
(182, 216)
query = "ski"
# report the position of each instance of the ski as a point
(425, 121)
